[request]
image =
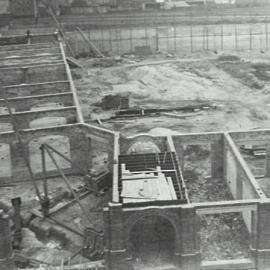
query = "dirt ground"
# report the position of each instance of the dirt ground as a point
(236, 87)
(222, 237)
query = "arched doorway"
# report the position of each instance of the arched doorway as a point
(152, 240)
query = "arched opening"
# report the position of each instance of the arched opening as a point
(152, 240)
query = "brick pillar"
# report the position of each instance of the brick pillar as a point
(217, 159)
(262, 251)
(16, 203)
(6, 253)
(190, 252)
(115, 253)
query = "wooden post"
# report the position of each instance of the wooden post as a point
(157, 39)
(222, 37)
(174, 32)
(266, 35)
(191, 31)
(145, 32)
(102, 39)
(131, 39)
(267, 161)
(110, 41)
(250, 37)
(120, 40)
(235, 33)
(117, 41)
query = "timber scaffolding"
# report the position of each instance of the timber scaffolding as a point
(27, 83)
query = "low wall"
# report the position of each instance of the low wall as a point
(102, 139)
(30, 60)
(214, 140)
(24, 120)
(28, 51)
(20, 104)
(25, 39)
(239, 178)
(32, 74)
(36, 89)
(70, 140)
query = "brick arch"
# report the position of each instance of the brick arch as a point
(172, 218)
(143, 139)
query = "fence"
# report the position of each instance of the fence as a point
(174, 38)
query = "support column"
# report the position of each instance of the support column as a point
(217, 159)
(190, 253)
(180, 154)
(239, 185)
(16, 203)
(262, 251)
(6, 252)
(116, 247)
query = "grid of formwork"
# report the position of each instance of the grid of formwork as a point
(37, 84)
(248, 200)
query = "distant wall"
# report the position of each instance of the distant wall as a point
(175, 38)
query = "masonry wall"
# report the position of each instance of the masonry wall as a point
(21, 104)
(45, 88)
(37, 74)
(213, 140)
(78, 145)
(127, 143)
(29, 51)
(120, 225)
(101, 140)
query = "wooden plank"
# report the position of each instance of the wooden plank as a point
(225, 207)
(238, 264)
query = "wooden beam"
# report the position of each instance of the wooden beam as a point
(238, 264)
(225, 207)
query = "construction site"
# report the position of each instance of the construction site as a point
(134, 135)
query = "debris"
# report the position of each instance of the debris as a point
(107, 62)
(229, 58)
(143, 50)
(135, 112)
(258, 151)
(74, 63)
(97, 180)
(174, 115)
(99, 121)
(115, 102)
